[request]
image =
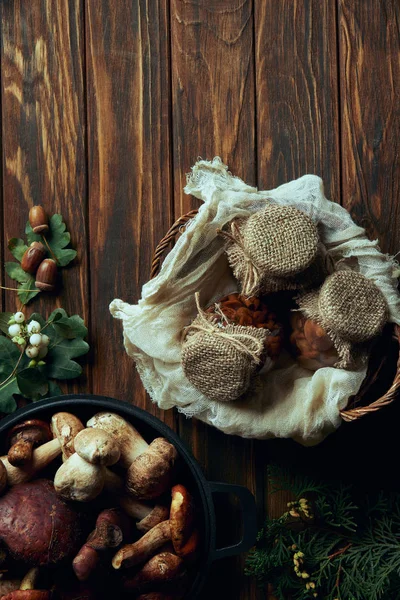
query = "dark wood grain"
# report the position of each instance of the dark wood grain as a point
(297, 108)
(128, 97)
(214, 114)
(370, 108)
(44, 134)
(297, 92)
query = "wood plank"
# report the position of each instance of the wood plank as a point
(44, 134)
(370, 108)
(297, 92)
(213, 114)
(128, 95)
(297, 110)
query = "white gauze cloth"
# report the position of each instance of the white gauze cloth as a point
(289, 401)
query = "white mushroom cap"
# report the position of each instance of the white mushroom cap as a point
(97, 447)
(65, 426)
(78, 480)
(129, 440)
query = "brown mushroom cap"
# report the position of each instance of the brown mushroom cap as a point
(24, 437)
(149, 475)
(37, 526)
(65, 427)
(161, 569)
(97, 447)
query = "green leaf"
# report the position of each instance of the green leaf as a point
(60, 366)
(69, 348)
(7, 401)
(4, 318)
(9, 354)
(27, 289)
(57, 238)
(54, 390)
(17, 248)
(70, 327)
(32, 383)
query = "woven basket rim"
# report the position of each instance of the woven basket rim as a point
(352, 412)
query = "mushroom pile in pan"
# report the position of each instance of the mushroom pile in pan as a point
(106, 513)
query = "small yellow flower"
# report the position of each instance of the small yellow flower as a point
(305, 575)
(294, 513)
(296, 562)
(312, 585)
(300, 554)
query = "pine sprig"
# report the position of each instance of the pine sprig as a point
(348, 550)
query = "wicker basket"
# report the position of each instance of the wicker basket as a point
(354, 409)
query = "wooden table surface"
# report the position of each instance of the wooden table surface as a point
(106, 105)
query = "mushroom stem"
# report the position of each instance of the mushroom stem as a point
(30, 579)
(134, 554)
(41, 457)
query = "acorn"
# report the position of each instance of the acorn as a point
(32, 257)
(38, 219)
(46, 276)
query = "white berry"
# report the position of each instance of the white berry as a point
(45, 340)
(34, 327)
(43, 352)
(32, 351)
(35, 339)
(19, 317)
(14, 330)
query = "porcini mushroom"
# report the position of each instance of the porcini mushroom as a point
(149, 466)
(97, 447)
(185, 538)
(83, 475)
(112, 527)
(24, 437)
(65, 427)
(41, 457)
(161, 569)
(147, 516)
(37, 526)
(148, 545)
(179, 529)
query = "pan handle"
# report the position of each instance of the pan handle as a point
(249, 518)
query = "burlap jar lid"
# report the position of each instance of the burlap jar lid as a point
(352, 306)
(281, 240)
(221, 362)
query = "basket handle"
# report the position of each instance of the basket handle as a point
(348, 415)
(356, 413)
(168, 239)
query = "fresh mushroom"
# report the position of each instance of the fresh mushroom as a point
(24, 437)
(179, 529)
(41, 457)
(112, 527)
(162, 569)
(185, 538)
(147, 516)
(27, 589)
(82, 476)
(148, 545)
(37, 526)
(149, 466)
(65, 427)
(97, 447)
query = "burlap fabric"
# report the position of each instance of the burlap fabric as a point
(220, 361)
(352, 309)
(277, 248)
